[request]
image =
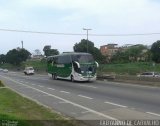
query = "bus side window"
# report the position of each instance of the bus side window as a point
(64, 60)
(67, 59)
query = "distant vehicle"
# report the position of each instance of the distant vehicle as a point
(29, 71)
(5, 70)
(1, 70)
(72, 66)
(149, 74)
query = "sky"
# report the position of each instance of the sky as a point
(104, 17)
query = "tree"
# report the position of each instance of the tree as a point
(120, 57)
(132, 54)
(24, 54)
(155, 50)
(46, 50)
(82, 47)
(2, 58)
(37, 52)
(15, 56)
(49, 52)
(135, 52)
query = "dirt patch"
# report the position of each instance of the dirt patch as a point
(138, 82)
(131, 79)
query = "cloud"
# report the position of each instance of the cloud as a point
(102, 10)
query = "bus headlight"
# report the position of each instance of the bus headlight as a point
(79, 74)
(90, 72)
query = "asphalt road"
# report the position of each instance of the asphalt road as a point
(88, 101)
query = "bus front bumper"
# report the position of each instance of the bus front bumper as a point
(84, 78)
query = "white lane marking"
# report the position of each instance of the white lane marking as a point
(51, 89)
(41, 79)
(65, 92)
(24, 87)
(116, 104)
(153, 113)
(87, 86)
(62, 102)
(72, 103)
(33, 84)
(85, 96)
(40, 86)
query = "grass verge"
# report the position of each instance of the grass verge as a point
(128, 68)
(14, 107)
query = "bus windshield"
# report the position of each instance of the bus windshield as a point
(83, 58)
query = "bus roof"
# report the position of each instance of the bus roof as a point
(70, 53)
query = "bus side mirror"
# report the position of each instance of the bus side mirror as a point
(97, 64)
(78, 65)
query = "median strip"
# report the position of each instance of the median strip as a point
(2, 87)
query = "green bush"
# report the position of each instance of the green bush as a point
(1, 84)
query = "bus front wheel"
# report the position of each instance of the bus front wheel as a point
(72, 78)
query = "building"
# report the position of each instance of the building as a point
(37, 57)
(109, 50)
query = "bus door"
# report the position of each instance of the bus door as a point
(64, 66)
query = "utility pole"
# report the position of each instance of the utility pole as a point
(22, 44)
(87, 29)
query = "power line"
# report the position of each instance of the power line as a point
(138, 34)
(77, 34)
(37, 32)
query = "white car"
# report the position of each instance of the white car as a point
(149, 74)
(29, 71)
(5, 70)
